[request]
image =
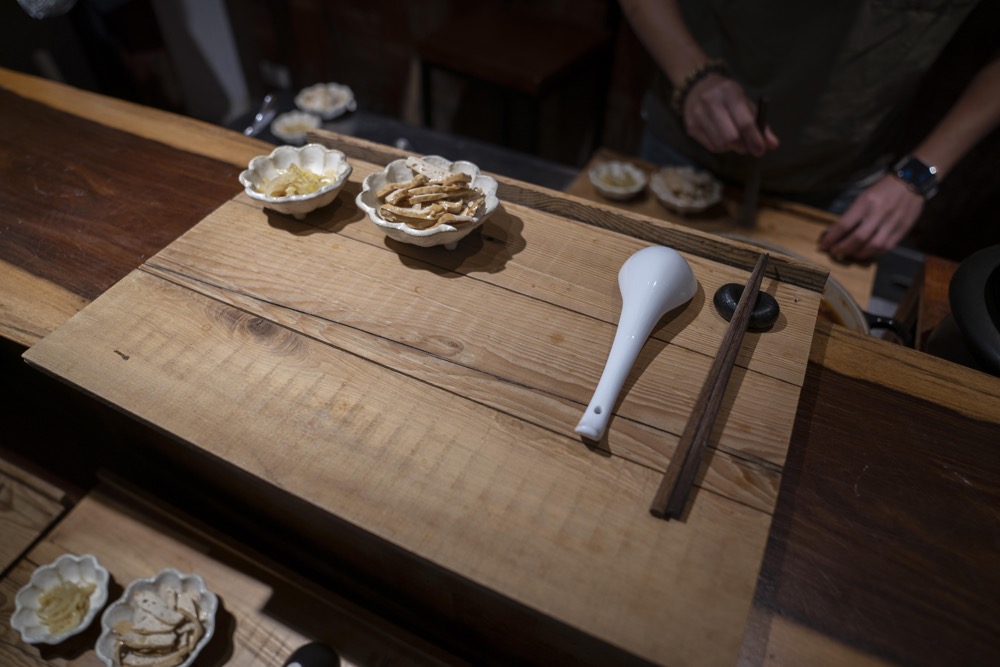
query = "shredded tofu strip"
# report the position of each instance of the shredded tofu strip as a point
(434, 196)
(63, 606)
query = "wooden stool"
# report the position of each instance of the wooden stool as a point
(524, 54)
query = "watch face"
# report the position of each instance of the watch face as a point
(916, 173)
(919, 176)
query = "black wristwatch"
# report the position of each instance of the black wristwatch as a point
(919, 177)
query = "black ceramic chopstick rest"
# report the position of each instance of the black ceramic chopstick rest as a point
(765, 311)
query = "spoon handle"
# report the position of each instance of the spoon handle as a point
(633, 329)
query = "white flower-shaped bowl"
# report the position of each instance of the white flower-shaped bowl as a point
(617, 180)
(443, 234)
(291, 126)
(78, 569)
(700, 190)
(123, 610)
(326, 162)
(327, 100)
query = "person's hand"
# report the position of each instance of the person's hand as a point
(719, 116)
(875, 223)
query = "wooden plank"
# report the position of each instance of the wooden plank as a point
(968, 392)
(785, 643)
(90, 202)
(561, 271)
(858, 359)
(649, 229)
(794, 227)
(70, 194)
(337, 285)
(33, 308)
(934, 304)
(901, 523)
(512, 369)
(28, 506)
(181, 132)
(357, 440)
(266, 612)
(358, 377)
(907, 575)
(562, 268)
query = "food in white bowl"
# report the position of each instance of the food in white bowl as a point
(165, 620)
(428, 201)
(327, 100)
(617, 180)
(296, 180)
(685, 189)
(291, 126)
(60, 600)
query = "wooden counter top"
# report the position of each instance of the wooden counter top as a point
(30, 505)
(791, 226)
(265, 611)
(428, 396)
(882, 545)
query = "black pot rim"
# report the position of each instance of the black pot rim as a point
(974, 298)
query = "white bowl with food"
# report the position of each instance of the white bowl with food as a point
(60, 600)
(428, 201)
(685, 189)
(291, 126)
(296, 179)
(164, 619)
(617, 180)
(327, 100)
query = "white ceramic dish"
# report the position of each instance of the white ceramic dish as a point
(291, 126)
(617, 180)
(326, 162)
(442, 234)
(685, 189)
(78, 569)
(327, 100)
(127, 609)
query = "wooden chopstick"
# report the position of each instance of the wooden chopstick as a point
(671, 497)
(751, 190)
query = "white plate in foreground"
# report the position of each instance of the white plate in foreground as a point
(169, 615)
(78, 574)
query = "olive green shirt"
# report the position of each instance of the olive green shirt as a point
(839, 77)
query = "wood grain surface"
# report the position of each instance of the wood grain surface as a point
(66, 181)
(181, 132)
(885, 531)
(265, 610)
(933, 305)
(941, 604)
(779, 224)
(449, 382)
(734, 252)
(77, 220)
(842, 565)
(28, 506)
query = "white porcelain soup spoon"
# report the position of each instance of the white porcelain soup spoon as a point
(653, 281)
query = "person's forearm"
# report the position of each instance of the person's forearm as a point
(973, 116)
(660, 27)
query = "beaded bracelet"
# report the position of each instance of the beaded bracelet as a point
(713, 66)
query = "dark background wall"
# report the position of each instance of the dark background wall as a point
(130, 49)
